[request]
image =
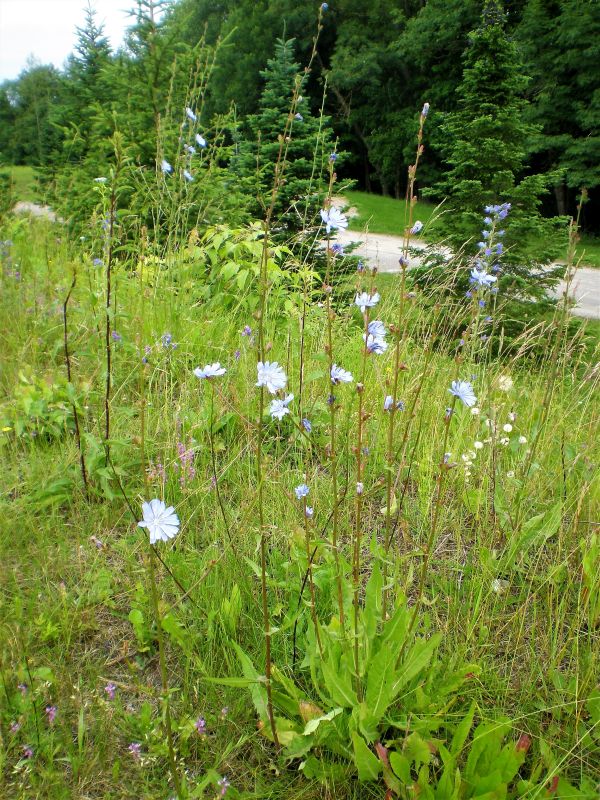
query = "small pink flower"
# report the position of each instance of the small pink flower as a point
(51, 712)
(110, 690)
(27, 751)
(15, 727)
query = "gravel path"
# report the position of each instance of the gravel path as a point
(385, 250)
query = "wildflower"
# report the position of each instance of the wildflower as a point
(522, 440)
(403, 262)
(337, 249)
(425, 110)
(116, 337)
(507, 428)
(475, 411)
(360, 267)
(200, 140)
(512, 416)
(307, 425)
(166, 339)
(331, 400)
(51, 712)
(162, 522)
(237, 355)
(417, 227)
(478, 445)
(210, 371)
(110, 690)
(505, 383)
(360, 487)
(309, 511)
(190, 150)
(333, 157)
(166, 168)
(333, 219)
(247, 331)
(190, 114)
(188, 176)
(499, 585)
(271, 375)
(499, 248)
(339, 375)
(482, 305)
(27, 751)
(364, 300)
(279, 408)
(298, 116)
(22, 687)
(224, 712)
(510, 474)
(100, 180)
(301, 491)
(375, 344)
(15, 727)
(97, 262)
(376, 328)
(200, 726)
(464, 391)
(223, 783)
(388, 402)
(504, 441)
(324, 6)
(135, 748)
(481, 278)
(468, 295)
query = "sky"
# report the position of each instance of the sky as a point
(46, 29)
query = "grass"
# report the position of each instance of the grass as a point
(75, 603)
(24, 183)
(387, 215)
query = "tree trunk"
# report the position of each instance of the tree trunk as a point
(560, 193)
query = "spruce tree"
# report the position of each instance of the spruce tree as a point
(486, 142)
(307, 150)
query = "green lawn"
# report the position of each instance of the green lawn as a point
(388, 215)
(24, 182)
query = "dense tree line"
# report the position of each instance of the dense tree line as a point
(375, 64)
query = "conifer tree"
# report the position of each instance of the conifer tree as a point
(486, 142)
(306, 152)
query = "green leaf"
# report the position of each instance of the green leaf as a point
(373, 602)
(462, 731)
(257, 690)
(380, 681)
(313, 724)
(417, 659)
(339, 686)
(417, 750)
(401, 766)
(367, 763)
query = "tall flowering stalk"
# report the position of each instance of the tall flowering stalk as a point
(332, 402)
(162, 524)
(399, 337)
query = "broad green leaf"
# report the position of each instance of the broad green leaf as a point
(373, 600)
(367, 763)
(380, 681)
(417, 750)
(417, 659)
(313, 724)
(339, 686)
(462, 731)
(257, 691)
(401, 766)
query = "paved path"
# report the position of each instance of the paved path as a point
(385, 250)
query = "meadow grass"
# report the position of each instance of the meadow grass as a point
(24, 182)
(512, 583)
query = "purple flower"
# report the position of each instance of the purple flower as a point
(247, 331)
(298, 116)
(223, 783)
(333, 157)
(309, 511)
(307, 425)
(481, 304)
(464, 391)
(51, 712)
(15, 726)
(27, 751)
(237, 355)
(97, 262)
(116, 336)
(110, 690)
(22, 687)
(200, 726)
(135, 748)
(425, 110)
(417, 227)
(337, 249)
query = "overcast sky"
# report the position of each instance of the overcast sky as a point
(46, 29)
